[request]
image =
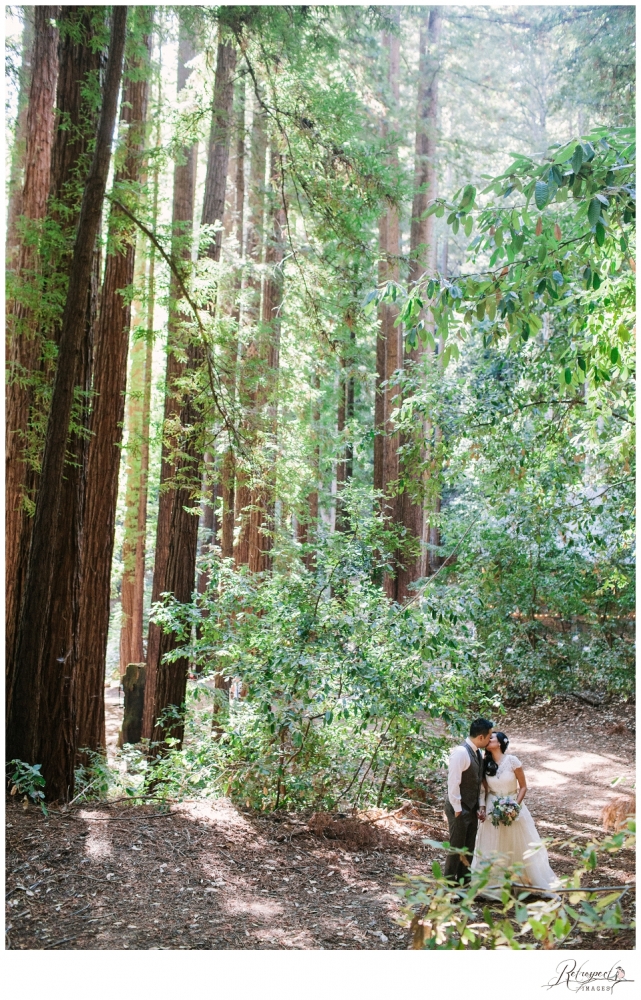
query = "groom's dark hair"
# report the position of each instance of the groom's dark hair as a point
(480, 727)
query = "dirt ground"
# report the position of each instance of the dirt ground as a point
(213, 876)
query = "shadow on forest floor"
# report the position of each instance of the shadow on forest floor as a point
(208, 875)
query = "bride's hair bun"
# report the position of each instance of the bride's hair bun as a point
(490, 767)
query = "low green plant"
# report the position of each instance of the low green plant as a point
(444, 915)
(27, 780)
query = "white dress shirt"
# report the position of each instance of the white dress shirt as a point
(459, 761)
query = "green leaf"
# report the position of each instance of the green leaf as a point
(437, 871)
(614, 355)
(542, 254)
(541, 194)
(600, 234)
(596, 281)
(594, 211)
(469, 195)
(577, 159)
(469, 223)
(567, 374)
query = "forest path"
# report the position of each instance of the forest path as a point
(212, 876)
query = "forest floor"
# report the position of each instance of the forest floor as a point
(210, 875)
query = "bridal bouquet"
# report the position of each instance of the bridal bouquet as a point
(504, 811)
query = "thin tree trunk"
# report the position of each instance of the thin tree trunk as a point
(19, 147)
(207, 518)
(307, 524)
(24, 343)
(228, 471)
(391, 336)
(29, 730)
(262, 519)
(251, 365)
(138, 420)
(422, 251)
(131, 644)
(182, 228)
(109, 384)
(171, 678)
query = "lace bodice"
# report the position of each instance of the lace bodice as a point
(504, 781)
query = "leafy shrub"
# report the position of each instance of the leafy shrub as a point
(27, 780)
(338, 683)
(443, 915)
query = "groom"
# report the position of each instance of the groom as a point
(464, 776)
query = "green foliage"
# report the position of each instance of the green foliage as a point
(27, 780)
(444, 916)
(332, 675)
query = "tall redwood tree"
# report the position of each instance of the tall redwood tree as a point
(32, 733)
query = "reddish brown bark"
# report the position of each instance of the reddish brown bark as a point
(422, 260)
(262, 521)
(182, 225)
(24, 344)
(33, 733)
(107, 418)
(18, 149)
(171, 678)
(228, 470)
(389, 343)
(80, 59)
(251, 362)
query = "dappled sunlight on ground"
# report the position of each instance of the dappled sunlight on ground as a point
(211, 875)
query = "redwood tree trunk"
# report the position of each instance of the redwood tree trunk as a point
(262, 520)
(390, 352)
(228, 471)
(23, 341)
(19, 146)
(251, 361)
(182, 228)
(29, 730)
(171, 678)
(422, 255)
(103, 465)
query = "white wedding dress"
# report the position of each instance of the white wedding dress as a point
(517, 843)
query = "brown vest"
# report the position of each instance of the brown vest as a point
(471, 781)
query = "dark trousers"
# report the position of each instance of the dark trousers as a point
(462, 834)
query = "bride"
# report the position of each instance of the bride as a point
(518, 843)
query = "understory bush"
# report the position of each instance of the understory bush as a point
(338, 696)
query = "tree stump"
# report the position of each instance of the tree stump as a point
(133, 684)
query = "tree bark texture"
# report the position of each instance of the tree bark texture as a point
(182, 228)
(228, 470)
(137, 446)
(390, 351)
(107, 418)
(250, 368)
(262, 521)
(18, 148)
(422, 260)
(171, 678)
(29, 729)
(24, 344)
